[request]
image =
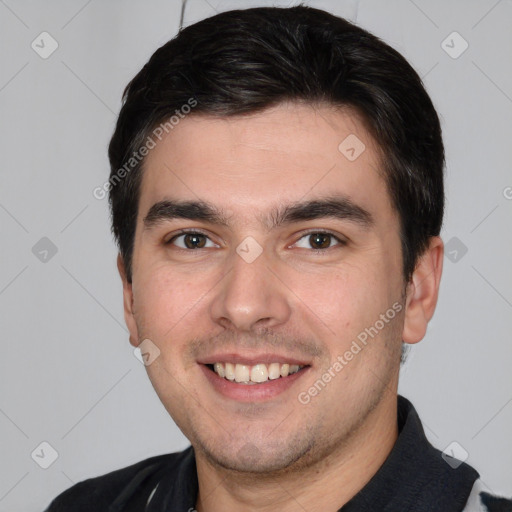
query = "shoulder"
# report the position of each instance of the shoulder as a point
(482, 501)
(99, 493)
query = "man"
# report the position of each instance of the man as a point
(277, 197)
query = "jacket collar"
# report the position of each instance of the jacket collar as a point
(414, 477)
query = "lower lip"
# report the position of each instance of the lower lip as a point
(251, 392)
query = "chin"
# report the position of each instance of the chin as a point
(254, 459)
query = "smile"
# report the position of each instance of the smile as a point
(254, 374)
(253, 382)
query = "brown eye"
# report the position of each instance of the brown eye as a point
(320, 240)
(191, 241)
(194, 241)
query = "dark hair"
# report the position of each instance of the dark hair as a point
(244, 61)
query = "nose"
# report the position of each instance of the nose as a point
(250, 296)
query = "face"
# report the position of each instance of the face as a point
(260, 244)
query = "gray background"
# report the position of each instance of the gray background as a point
(68, 375)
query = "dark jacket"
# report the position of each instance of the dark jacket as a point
(414, 477)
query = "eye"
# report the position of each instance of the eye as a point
(191, 240)
(318, 241)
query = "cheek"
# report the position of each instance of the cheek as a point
(343, 303)
(165, 299)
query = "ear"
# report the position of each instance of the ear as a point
(128, 303)
(422, 292)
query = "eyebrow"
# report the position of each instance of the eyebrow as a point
(167, 210)
(338, 207)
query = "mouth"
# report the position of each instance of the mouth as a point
(253, 382)
(254, 374)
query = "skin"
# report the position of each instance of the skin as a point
(278, 453)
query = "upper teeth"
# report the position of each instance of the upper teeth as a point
(258, 373)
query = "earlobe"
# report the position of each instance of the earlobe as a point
(422, 292)
(128, 303)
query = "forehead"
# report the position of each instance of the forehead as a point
(250, 164)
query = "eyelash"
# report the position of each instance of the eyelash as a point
(182, 232)
(341, 242)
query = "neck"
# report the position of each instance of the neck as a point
(326, 484)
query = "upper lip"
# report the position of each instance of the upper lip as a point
(252, 359)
